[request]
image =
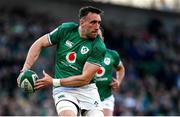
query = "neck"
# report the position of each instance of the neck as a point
(81, 33)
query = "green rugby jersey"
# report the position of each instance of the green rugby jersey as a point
(73, 51)
(104, 75)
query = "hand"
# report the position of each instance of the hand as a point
(21, 73)
(18, 79)
(115, 84)
(46, 81)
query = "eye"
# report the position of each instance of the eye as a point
(95, 22)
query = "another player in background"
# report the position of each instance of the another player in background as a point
(105, 81)
(79, 53)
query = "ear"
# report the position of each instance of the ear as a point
(81, 21)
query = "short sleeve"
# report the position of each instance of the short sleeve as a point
(59, 33)
(117, 59)
(97, 53)
(55, 36)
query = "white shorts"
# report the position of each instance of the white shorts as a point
(108, 103)
(86, 97)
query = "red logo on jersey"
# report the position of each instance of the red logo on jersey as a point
(100, 72)
(71, 57)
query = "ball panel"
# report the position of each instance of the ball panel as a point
(27, 86)
(27, 80)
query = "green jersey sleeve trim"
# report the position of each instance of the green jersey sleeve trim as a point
(49, 40)
(120, 62)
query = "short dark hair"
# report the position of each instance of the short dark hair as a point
(85, 10)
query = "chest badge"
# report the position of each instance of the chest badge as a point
(84, 50)
(107, 60)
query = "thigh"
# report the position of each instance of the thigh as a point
(66, 103)
(108, 103)
(66, 108)
(94, 113)
(88, 97)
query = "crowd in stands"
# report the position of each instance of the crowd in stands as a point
(152, 61)
(19, 29)
(150, 55)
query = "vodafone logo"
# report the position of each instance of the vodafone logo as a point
(71, 57)
(100, 72)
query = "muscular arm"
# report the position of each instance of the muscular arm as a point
(116, 82)
(89, 71)
(35, 50)
(120, 72)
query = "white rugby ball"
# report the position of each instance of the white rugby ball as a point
(27, 80)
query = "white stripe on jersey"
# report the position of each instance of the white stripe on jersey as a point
(49, 39)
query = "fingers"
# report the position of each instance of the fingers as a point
(40, 80)
(44, 73)
(43, 82)
(113, 83)
(114, 80)
(38, 87)
(18, 79)
(18, 82)
(39, 84)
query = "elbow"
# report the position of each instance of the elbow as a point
(86, 81)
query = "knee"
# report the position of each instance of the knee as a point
(95, 113)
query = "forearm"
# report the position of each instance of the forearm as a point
(78, 80)
(89, 71)
(120, 74)
(32, 56)
(35, 50)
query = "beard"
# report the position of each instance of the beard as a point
(92, 37)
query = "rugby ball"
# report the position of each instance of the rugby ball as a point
(26, 80)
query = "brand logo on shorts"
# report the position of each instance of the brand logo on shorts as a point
(84, 50)
(107, 60)
(61, 96)
(100, 72)
(71, 57)
(96, 103)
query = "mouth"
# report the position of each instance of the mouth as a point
(94, 32)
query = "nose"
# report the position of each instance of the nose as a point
(97, 26)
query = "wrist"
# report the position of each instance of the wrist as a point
(23, 69)
(56, 82)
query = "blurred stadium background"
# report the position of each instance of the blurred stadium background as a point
(146, 33)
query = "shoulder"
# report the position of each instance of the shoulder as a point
(67, 26)
(114, 53)
(98, 43)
